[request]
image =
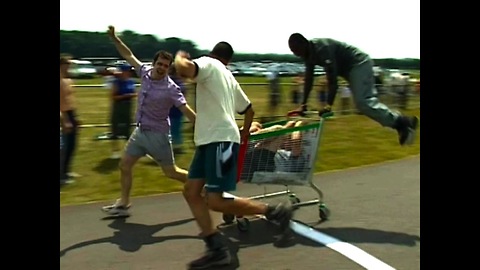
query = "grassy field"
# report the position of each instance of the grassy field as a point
(347, 141)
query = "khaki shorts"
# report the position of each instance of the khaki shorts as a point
(155, 144)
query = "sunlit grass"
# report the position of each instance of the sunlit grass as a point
(348, 141)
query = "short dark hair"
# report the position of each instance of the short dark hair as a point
(162, 54)
(223, 50)
(296, 39)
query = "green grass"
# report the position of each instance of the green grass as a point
(348, 141)
(100, 80)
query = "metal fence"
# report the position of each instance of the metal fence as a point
(400, 98)
(94, 107)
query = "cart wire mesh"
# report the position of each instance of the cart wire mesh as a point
(280, 154)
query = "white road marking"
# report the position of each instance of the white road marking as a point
(346, 249)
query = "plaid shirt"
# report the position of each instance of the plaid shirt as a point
(155, 99)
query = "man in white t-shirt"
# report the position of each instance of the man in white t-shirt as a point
(217, 139)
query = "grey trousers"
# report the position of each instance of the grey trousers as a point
(362, 85)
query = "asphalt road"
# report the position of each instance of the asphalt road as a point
(375, 208)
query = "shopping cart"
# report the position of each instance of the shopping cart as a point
(282, 156)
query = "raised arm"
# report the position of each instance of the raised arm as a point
(185, 67)
(122, 49)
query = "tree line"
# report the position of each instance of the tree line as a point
(82, 44)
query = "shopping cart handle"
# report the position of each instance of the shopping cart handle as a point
(309, 113)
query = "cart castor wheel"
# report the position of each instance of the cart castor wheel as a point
(294, 199)
(228, 219)
(324, 211)
(243, 224)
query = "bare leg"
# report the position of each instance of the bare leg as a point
(236, 206)
(218, 253)
(126, 176)
(193, 195)
(174, 172)
(282, 212)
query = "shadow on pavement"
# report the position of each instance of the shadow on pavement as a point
(131, 237)
(361, 235)
(106, 166)
(262, 232)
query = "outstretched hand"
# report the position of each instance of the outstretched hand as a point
(111, 31)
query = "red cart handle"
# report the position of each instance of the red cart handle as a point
(241, 158)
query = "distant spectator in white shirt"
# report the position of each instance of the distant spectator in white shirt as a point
(345, 95)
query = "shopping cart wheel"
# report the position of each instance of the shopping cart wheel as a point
(324, 211)
(243, 224)
(294, 199)
(228, 219)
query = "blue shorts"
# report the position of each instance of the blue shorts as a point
(216, 163)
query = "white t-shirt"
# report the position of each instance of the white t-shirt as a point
(218, 98)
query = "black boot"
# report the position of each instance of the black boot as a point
(406, 128)
(217, 253)
(281, 213)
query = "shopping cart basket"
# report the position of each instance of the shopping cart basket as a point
(281, 156)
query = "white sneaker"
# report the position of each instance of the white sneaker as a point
(116, 209)
(67, 181)
(115, 155)
(73, 175)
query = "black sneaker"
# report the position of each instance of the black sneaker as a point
(216, 257)
(282, 213)
(406, 128)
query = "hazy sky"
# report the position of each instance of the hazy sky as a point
(382, 28)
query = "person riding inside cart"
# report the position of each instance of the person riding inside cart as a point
(279, 153)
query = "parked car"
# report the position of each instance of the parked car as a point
(114, 66)
(82, 69)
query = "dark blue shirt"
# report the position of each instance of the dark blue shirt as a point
(125, 86)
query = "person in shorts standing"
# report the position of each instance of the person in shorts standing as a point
(217, 139)
(158, 93)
